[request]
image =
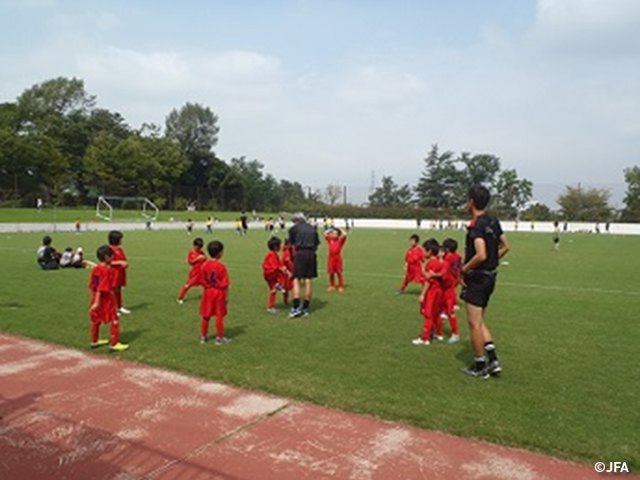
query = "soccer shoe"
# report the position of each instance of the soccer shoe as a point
(474, 371)
(331, 289)
(124, 311)
(222, 341)
(400, 292)
(204, 339)
(180, 301)
(99, 343)
(438, 337)
(295, 313)
(272, 310)
(454, 339)
(340, 289)
(420, 341)
(118, 347)
(280, 288)
(494, 368)
(305, 312)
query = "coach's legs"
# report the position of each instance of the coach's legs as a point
(475, 317)
(296, 293)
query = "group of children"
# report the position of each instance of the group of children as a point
(105, 284)
(437, 269)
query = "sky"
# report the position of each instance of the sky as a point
(345, 92)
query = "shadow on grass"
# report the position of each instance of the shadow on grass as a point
(128, 336)
(12, 305)
(465, 354)
(317, 304)
(235, 331)
(139, 306)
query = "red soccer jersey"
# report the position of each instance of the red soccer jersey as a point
(195, 258)
(287, 258)
(452, 265)
(414, 256)
(101, 283)
(271, 266)
(215, 280)
(336, 244)
(434, 265)
(120, 273)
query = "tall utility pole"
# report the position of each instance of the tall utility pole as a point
(344, 194)
(372, 185)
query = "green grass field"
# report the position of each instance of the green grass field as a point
(565, 325)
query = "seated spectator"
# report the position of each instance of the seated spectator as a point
(48, 257)
(78, 260)
(66, 258)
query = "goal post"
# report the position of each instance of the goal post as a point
(106, 205)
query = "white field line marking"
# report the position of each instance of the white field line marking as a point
(564, 288)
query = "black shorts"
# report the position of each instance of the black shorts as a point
(305, 264)
(479, 287)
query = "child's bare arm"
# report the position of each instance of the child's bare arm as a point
(96, 303)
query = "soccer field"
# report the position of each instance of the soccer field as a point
(565, 326)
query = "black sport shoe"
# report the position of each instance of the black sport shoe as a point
(494, 368)
(474, 371)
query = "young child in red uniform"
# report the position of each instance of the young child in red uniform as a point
(431, 296)
(287, 262)
(215, 280)
(195, 258)
(274, 272)
(451, 266)
(103, 303)
(336, 239)
(413, 261)
(120, 266)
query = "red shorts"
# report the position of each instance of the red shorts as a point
(119, 277)
(449, 300)
(431, 307)
(194, 281)
(213, 303)
(334, 264)
(414, 274)
(106, 312)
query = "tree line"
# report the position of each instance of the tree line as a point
(56, 144)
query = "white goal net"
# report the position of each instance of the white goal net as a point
(111, 208)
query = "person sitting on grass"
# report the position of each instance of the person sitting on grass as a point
(66, 258)
(48, 257)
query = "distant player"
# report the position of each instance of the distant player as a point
(78, 225)
(431, 295)
(189, 226)
(209, 225)
(413, 261)
(215, 280)
(195, 258)
(120, 266)
(486, 244)
(103, 302)
(274, 272)
(336, 239)
(556, 237)
(451, 266)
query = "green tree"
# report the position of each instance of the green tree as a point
(512, 193)
(195, 128)
(388, 194)
(538, 211)
(479, 169)
(631, 212)
(332, 194)
(585, 204)
(439, 185)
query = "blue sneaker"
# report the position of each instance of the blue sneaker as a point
(222, 341)
(295, 313)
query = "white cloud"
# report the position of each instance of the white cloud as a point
(373, 86)
(588, 27)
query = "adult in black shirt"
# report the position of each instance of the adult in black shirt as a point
(48, 258)
(486, 244)
(243, 220)
(305, 240)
